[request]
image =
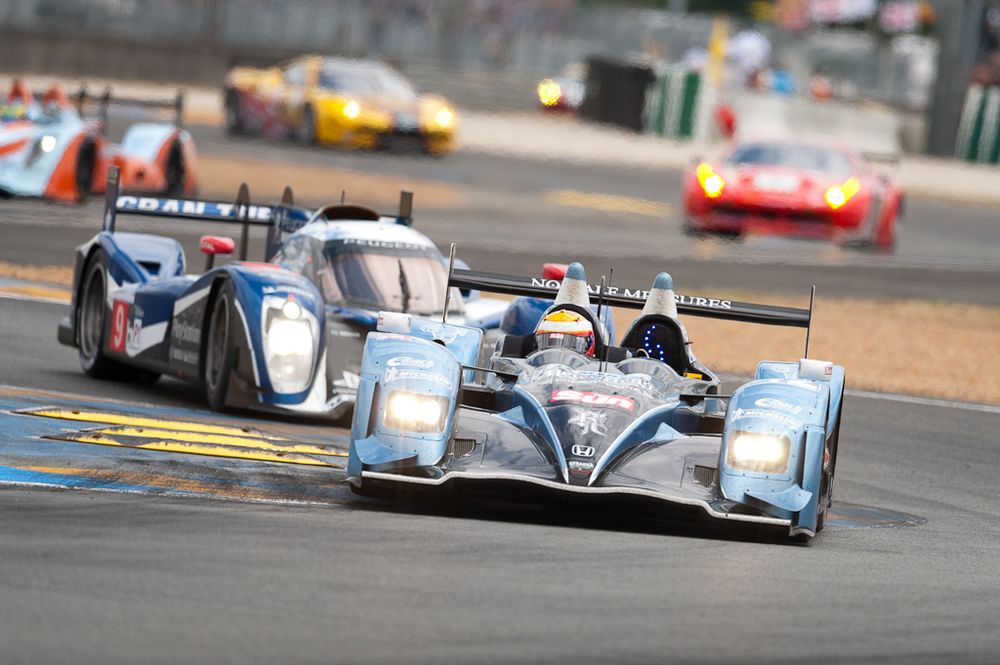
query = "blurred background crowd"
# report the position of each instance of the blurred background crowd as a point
(487, 53)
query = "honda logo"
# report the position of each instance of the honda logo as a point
(583, 451)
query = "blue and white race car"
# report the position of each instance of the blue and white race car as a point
(567, 414)
(282, 335)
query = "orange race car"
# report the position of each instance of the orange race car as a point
(337, 101)
(48, 149)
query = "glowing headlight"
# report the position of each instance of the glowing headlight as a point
(549, 92)
(48, 143)
(711, 182)
(290, 344)
(838, 195)
(761, 453)
(291, 310)
(352, 110)
(409, 411)
(287, 338)
(444, 117)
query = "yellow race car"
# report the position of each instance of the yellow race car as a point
(337, 101)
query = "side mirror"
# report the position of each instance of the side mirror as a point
(554, 271)
(212, 245)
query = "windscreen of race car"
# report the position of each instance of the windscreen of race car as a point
(394, 276)
(807, 158)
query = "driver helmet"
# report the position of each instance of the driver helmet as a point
(564, 328)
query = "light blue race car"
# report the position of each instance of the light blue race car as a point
(640, 421)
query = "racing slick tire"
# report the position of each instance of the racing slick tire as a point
(85, 162)
(826, 484)
(305, 132)
(231, 114)
(90, 315)
(219, 348)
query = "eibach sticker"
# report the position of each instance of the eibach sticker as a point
(119, 326)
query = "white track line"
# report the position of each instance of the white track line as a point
(926, 401)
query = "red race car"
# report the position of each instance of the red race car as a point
(793, 188)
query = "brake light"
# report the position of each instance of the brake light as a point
(711, 182)
(838, 195)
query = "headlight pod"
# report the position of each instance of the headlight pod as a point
(290, 342)
(444, 117)
(711, 182)
(838, 195)
(549, 92)
(408, 411)
(758, 453)
(351, 110)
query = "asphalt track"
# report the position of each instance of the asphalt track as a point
(204, 559)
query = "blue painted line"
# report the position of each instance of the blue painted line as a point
(9, 474)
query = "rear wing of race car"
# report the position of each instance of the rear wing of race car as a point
(613, 296)
(279, 219)
(106, 99)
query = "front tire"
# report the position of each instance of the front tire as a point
(231, 113)
(220, 351)
(91, 325)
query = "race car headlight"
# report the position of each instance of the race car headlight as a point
(549, 92)
(409, 411)
(711, 182)
(290, 334)
(47, 143)
(444, 117)
(759, 453)
(838, 195)
(352, 110)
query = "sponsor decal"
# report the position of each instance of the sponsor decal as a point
(349, 381)
(578, 468)
(787, 421)
(774, 403)
(134, 334)
(584, 451)
(186, 332)
(119, 326)
(383, 244)
(193, 208)
(592, 399)
(397, 374)
(444, 332)
(285, 289)
(639, 294)
(589, 422)
(186, 357)
(560, 373)
(409, 361)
